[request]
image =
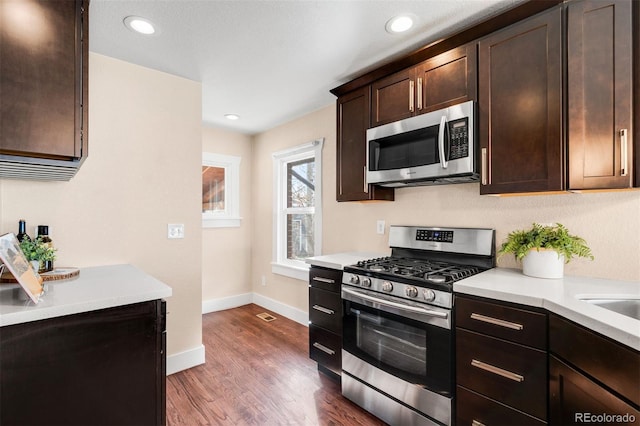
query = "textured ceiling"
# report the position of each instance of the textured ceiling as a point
(271, 61)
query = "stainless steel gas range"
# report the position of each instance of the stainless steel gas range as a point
(398, 347)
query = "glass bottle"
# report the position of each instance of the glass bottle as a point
(43, 234)
(22, 231)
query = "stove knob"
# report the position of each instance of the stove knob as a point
(387, 286)
(354, 279)
(429, 295)
(411, 292)
(366, 282)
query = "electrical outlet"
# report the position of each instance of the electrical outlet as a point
(380, 227)
(175, 230)
(263, 281)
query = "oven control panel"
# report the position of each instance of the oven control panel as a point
(438, 236)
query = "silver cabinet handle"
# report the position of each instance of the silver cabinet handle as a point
(484, 166)
(497, 370)
(411, 90)
(324, 280)
(323, 348)
(323, 309)
(419, 95)
(496, 321)
(623, 152)
(476, 423)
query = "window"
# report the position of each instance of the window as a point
(298, 208)
(220, 190)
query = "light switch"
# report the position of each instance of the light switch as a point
(380, 227)
(175, 230)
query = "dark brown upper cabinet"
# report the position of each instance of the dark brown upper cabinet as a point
(43, 80)
(599, 91)
(520, 107)
(353, 111)
(438, 82)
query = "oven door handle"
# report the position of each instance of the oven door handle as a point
(416, 309)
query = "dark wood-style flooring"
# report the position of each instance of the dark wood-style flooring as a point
(257, 373)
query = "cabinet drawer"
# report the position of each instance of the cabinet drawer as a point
(507, 372)
(505, 322)
(326, 279)
(325, 309)
(325, 348)
(474, 409)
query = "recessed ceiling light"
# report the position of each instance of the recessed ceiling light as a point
(139, 25)
(232, 116)
(399, 24)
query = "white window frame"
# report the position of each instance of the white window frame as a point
(230, 217)
(280, 264)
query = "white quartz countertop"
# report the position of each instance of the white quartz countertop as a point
(561, 296)
(95, 288)
(340, 260)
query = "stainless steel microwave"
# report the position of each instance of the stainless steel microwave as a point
(434, 148)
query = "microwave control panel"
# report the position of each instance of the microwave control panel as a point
(459, 138)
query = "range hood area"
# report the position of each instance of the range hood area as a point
(16, 167)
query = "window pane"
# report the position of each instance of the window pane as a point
(300, 239)
(301, 183)
(213, 188)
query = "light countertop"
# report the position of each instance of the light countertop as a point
(561, 296)
(95, 288)
(340, 260)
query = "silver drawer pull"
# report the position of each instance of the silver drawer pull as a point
(496, 321)
(324, 280)
(496, 370)
(476, 423)
(323, 309)
(323, 348)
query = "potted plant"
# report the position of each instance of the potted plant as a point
(39, 251)
(544, 249)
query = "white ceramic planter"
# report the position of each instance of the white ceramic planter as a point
(543, 264)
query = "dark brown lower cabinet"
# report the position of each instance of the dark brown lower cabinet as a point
(105, 367)
(577, 399)
(592, 379)
(325, 320)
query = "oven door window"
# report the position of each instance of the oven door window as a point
(413, 351)
(410, 149)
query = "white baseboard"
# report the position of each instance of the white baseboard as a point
(183, 360)
(280, 308)
(213, 305)
(290, 312)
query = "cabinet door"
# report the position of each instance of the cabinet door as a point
(393, 98)
(575, 399)
(353, 121)
(447, 79)
(520, 107)
(600, 94)
(106, 367)
(43, 78)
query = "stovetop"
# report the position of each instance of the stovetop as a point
(420, 272)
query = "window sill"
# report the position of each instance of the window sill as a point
(298, 272)
(221, 223)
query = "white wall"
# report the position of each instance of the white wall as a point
(226, 252)
(143, 172)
